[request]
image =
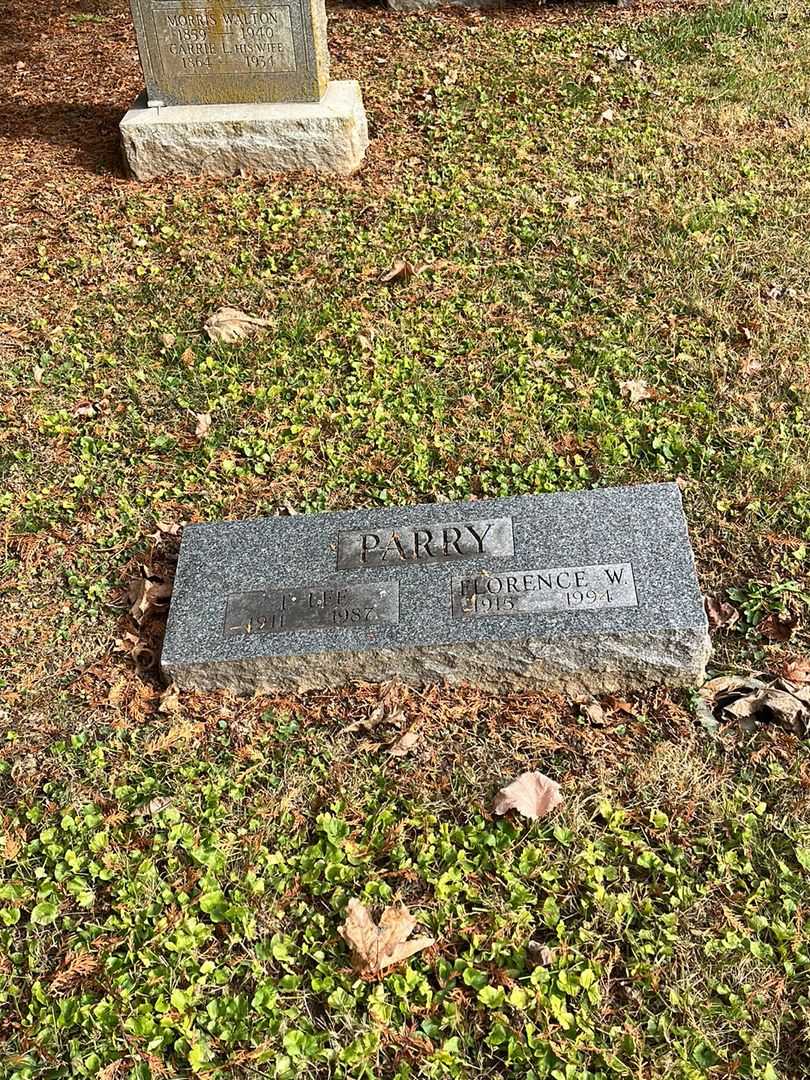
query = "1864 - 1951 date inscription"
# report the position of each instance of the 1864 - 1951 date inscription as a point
(312, 607)
(562, 588)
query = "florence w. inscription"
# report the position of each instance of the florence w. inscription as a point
(312, 607)
(561, 588)
(426, 543)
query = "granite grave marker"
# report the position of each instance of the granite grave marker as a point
(590, 591)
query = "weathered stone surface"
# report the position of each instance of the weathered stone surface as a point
(579, 591)
(328, 136)
(431, 5)
(211, 52)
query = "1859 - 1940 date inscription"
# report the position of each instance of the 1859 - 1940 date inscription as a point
(312, 607)
(562, 588)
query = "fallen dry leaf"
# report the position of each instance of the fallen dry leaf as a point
(533, 795)
(538, 955)
(636, 390)
(11, 844)
(375, 948)
(203, 424)
(73, 972)
(590, 709)
(755, 700)
(170, 700)
(228, 325)
(405, 743)
(182, 732)
(777, 627)
(798, 671)
(142, 656)
(620, 705)
(148, 593)
(117, 693)
(387, 710)
(402, 270)
(165, 532)
(721, 614)
(111, 1071)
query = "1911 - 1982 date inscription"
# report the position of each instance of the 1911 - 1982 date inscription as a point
(562, 588)
(312, 607)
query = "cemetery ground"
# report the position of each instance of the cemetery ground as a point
(597, 226)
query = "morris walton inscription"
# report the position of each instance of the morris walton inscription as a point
(577, 591)
(203, 52)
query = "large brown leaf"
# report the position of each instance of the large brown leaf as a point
(375, 948)
(533, 795)
(148, 593)
(755, 700)
(778, 627)
(721, 614)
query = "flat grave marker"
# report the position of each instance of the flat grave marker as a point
(590, 591)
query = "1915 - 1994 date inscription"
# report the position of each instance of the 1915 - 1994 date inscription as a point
(312, 607)
(562, 588)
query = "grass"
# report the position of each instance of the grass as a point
(599, 199)
(202, 871)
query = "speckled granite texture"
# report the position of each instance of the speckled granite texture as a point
(599, 594)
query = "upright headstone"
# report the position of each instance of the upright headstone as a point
(239, 86)
(587, 591)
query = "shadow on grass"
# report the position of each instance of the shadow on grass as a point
(90, 131)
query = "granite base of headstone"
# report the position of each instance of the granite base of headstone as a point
(584, 591)
(238, 87)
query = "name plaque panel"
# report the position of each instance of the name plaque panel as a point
(425, 543)
(312, 607)
(565, 588)
(209, 42)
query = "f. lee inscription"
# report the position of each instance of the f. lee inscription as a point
(426, 543)
(562, 588)
(312, 607)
